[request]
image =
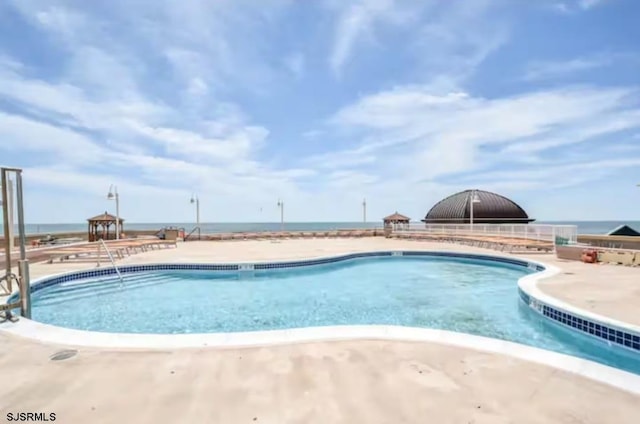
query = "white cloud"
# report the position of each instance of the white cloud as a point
(341, 159)
(64, 22)
(103, 111)
(72, 105)
(624, 148)
(451, 55)
(179, 171)
(588, 4)
(574, 6)
(346, 179)
(357, 21)
(445, 55)
(312, 133)
(544, 70)
(597, 126)
(21, 134)
(295, 63)
(556, 175)
(225, 138)
(426, 137)
(214, 158)
(411, 112)
(197, 87)
(200, 40)
(180, 143)
(561, 8)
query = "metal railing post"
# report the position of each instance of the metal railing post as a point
(25, 288)
(23, 264)
(7, 231)
(23, 236)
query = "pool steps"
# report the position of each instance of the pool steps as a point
(102, 287)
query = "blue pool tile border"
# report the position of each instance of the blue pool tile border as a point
(608, 333)
(604, 332)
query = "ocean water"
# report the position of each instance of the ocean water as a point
(210, 228)
(584, 227)
(468, 296)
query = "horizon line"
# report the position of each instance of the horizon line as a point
(308, 222)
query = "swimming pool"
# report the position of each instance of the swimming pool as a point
(457, 294)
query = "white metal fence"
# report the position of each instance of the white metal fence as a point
(558, 234)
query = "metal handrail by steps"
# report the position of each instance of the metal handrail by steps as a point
(193, 231)
(5, 309)
(112, 261)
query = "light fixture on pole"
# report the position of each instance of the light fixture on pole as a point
(474, 199)
(113, 195)
(281, 206)
(364, 210)
(196, 200)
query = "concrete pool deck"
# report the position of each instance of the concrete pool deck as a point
(344, 381)
(330, 382)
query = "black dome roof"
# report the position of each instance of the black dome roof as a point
(492, 209)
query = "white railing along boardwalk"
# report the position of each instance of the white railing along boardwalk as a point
(557, 234)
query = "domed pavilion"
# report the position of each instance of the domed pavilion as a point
(488, 208)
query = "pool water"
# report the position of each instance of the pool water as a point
(469, 296)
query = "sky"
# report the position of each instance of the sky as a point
(321, 104)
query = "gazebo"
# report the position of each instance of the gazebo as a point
(100, 227)
(396, 220)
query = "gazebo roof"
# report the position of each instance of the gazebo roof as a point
(624, 230)
(397, 217)
(104, 217)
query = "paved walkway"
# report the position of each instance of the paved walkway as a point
(328, 382)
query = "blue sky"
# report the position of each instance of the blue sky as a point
(320, 103)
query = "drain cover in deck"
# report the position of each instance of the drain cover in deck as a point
(63, 354)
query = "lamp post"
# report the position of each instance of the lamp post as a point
(196, 200)
(474, 199)
(281, 206)
(364, 210)
(113, 194)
